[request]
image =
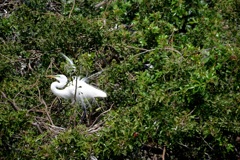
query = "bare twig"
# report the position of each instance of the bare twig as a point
(146, 51)
(38, 127)
(95, 128)
(133, 47)
(46, 109)
(56, 127)
(71, 9)
(100, 4)
(206, 143)
(164, 152)
(149, 50)
(172, 49)
(75, 92)
(55, 99)
(184, 145)
(101, 115)
(9, 59)
(50, 65)
(16, 108)
(13, 104)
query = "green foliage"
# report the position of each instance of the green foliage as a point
(185, 106)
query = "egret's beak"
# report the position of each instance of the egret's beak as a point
(50, 76)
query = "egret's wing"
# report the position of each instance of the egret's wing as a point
(93, 75)
(70, 62)
(81, 92)
(86, 79)
(88, 91)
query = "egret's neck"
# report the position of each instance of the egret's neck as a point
(57, 89)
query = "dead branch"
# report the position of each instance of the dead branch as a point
(100, 4)
(71, 9)
(164, 152)
(13, 104)
(96, 127)
(149, 50)
(101, 115)
(38, 127)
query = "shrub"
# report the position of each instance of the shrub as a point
(170, 69)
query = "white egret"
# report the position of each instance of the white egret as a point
(77, 90)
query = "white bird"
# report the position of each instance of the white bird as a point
(76, 90)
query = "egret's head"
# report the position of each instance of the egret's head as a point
(59, 77)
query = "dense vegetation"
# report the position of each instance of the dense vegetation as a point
(186, 106)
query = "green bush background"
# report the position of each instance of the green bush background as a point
(187, 106)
